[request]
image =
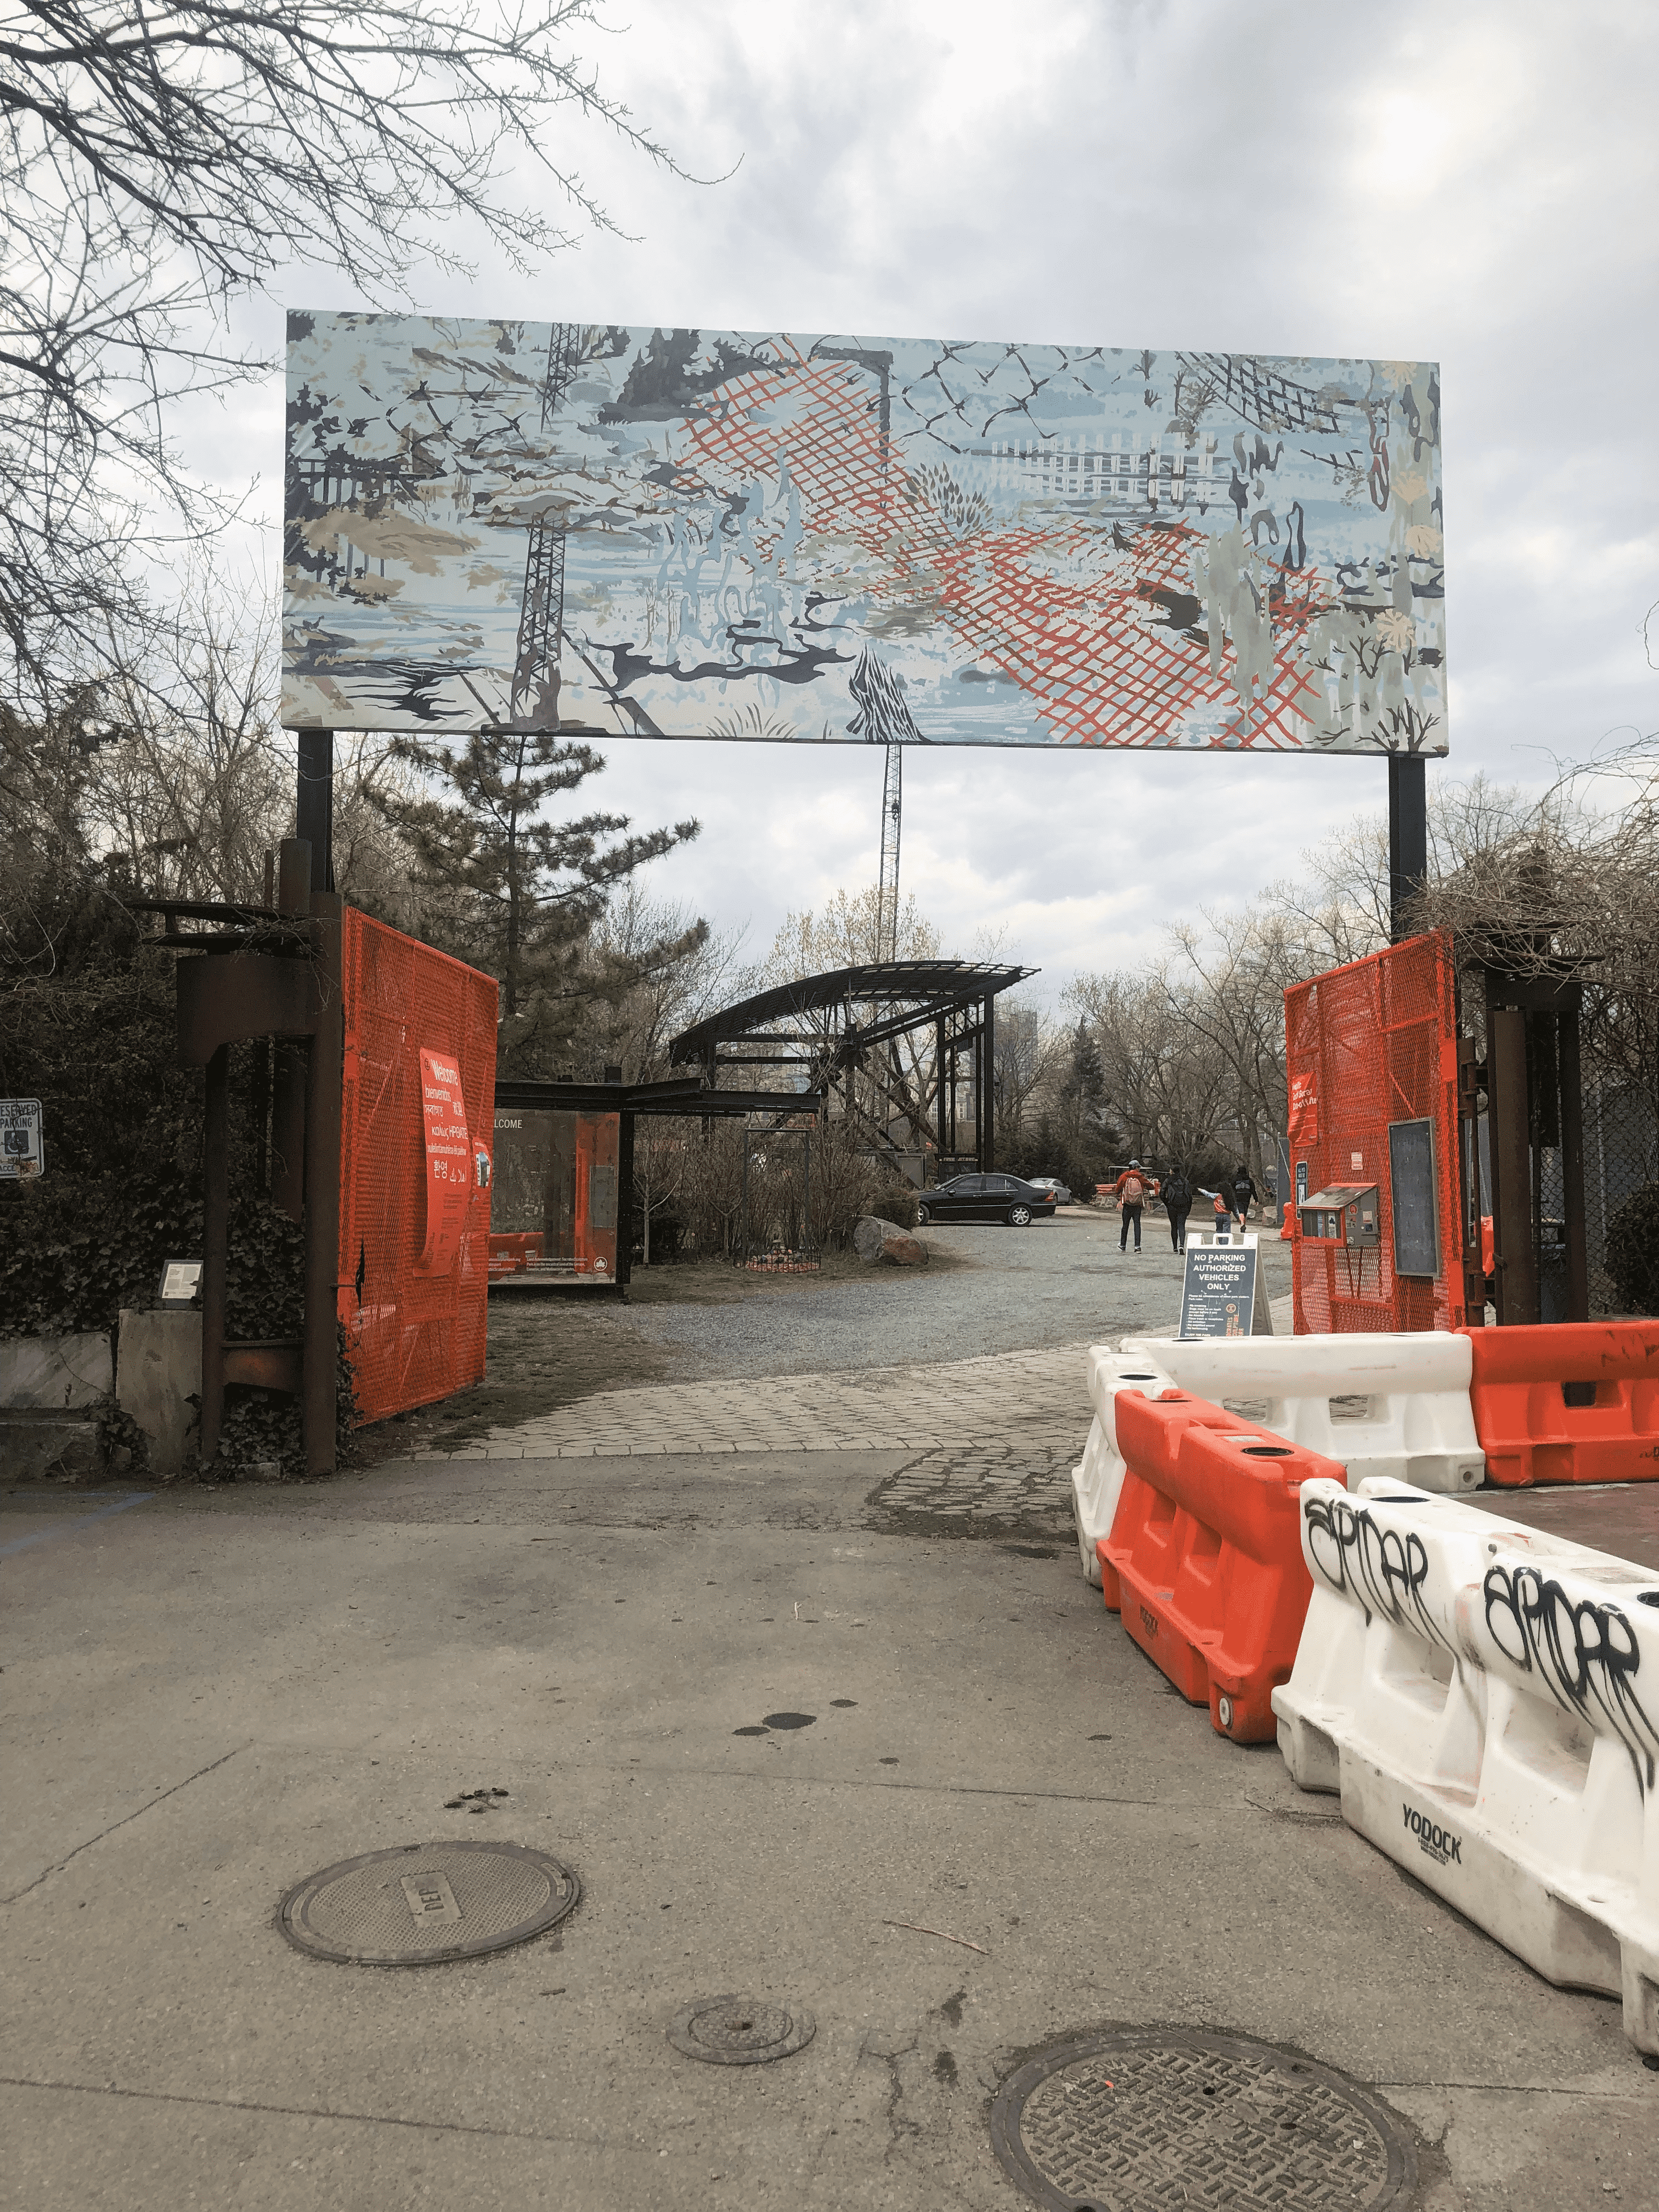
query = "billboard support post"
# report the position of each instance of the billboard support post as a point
(1408, 843)
(314, 803)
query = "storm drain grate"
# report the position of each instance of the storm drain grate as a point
(423, 1903)
(738, 2031)
(1142, 2120)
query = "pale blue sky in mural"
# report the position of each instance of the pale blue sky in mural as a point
(1469, 186)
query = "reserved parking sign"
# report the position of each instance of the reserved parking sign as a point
(22, 1155)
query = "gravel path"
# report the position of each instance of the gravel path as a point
(1059, 1282)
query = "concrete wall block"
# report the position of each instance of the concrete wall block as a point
(55, 1374)
(160, 1372)
(37, 1446)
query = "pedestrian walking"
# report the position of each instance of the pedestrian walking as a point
(1224, 1210)
(1132, 1188)
(1243, 1195)
(1178, 1195)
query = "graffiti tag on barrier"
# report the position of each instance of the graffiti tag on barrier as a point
(1383, 1569)
(1584, 1650)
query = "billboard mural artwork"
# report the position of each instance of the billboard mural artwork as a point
(717, 534)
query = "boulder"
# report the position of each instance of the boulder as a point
(875, 1240)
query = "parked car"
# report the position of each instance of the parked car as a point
(986, 1198)
(1062, 1191)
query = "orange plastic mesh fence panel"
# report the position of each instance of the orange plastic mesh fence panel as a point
(416, 1145)
(1568, 1401)
(1369, 1047)
(1206, 1552)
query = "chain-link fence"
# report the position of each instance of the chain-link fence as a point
(1621, 1156)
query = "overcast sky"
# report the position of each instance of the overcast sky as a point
(1475, 184)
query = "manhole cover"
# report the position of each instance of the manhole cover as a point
(741, 2031)
(1140, 2120)
(423, 1903)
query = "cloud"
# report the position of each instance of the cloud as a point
(1472, 184)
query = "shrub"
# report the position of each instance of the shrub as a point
(897, 1202)
(1633, 1251)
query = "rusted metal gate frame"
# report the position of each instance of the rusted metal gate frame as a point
(233, 994)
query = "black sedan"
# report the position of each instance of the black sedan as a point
(986, 1198)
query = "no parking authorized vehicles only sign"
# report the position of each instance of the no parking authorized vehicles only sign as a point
(22, 1155)
(1217, 1297)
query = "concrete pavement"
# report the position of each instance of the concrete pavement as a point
(212, 1693)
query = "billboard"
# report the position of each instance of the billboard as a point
(688, 533)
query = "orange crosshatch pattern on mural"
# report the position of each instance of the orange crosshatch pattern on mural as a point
(414, 1333)
(1094, 653)
(1366, 1046)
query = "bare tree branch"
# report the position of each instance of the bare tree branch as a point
(157, 163)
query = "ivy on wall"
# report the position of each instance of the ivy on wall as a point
(122, 1191)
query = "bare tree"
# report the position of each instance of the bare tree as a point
(898, 1081)
(1226, 984)
(1166, 1083)
(680, 971)
(156, 163)
(1028, 1048)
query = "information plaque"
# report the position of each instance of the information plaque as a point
(180, 1281)
(1218, 1295)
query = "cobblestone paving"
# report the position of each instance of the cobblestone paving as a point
(1038, 1400)
(1018, 1488)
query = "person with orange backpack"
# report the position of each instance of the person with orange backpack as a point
(1131, 1190)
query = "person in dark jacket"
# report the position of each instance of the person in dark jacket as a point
(1244, 1196)
(1178, 1195)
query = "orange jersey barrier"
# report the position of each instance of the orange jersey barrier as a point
(1568, 1401)
(1204, 1561)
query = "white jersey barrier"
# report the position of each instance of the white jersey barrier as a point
(1098, 1478)
(1418, 1427)
(1486, 1697)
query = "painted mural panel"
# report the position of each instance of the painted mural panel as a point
(714, 533)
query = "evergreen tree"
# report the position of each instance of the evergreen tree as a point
(1084, 1089)
(518, 894)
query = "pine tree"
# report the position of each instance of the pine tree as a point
(1084, 1089)
(518, 894)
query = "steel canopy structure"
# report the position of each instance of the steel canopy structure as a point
(827, 1029)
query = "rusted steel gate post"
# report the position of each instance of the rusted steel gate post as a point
(215, 1245)
(322, 1191)
(288, 1107)
(1534, 1099)
(234, 993)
